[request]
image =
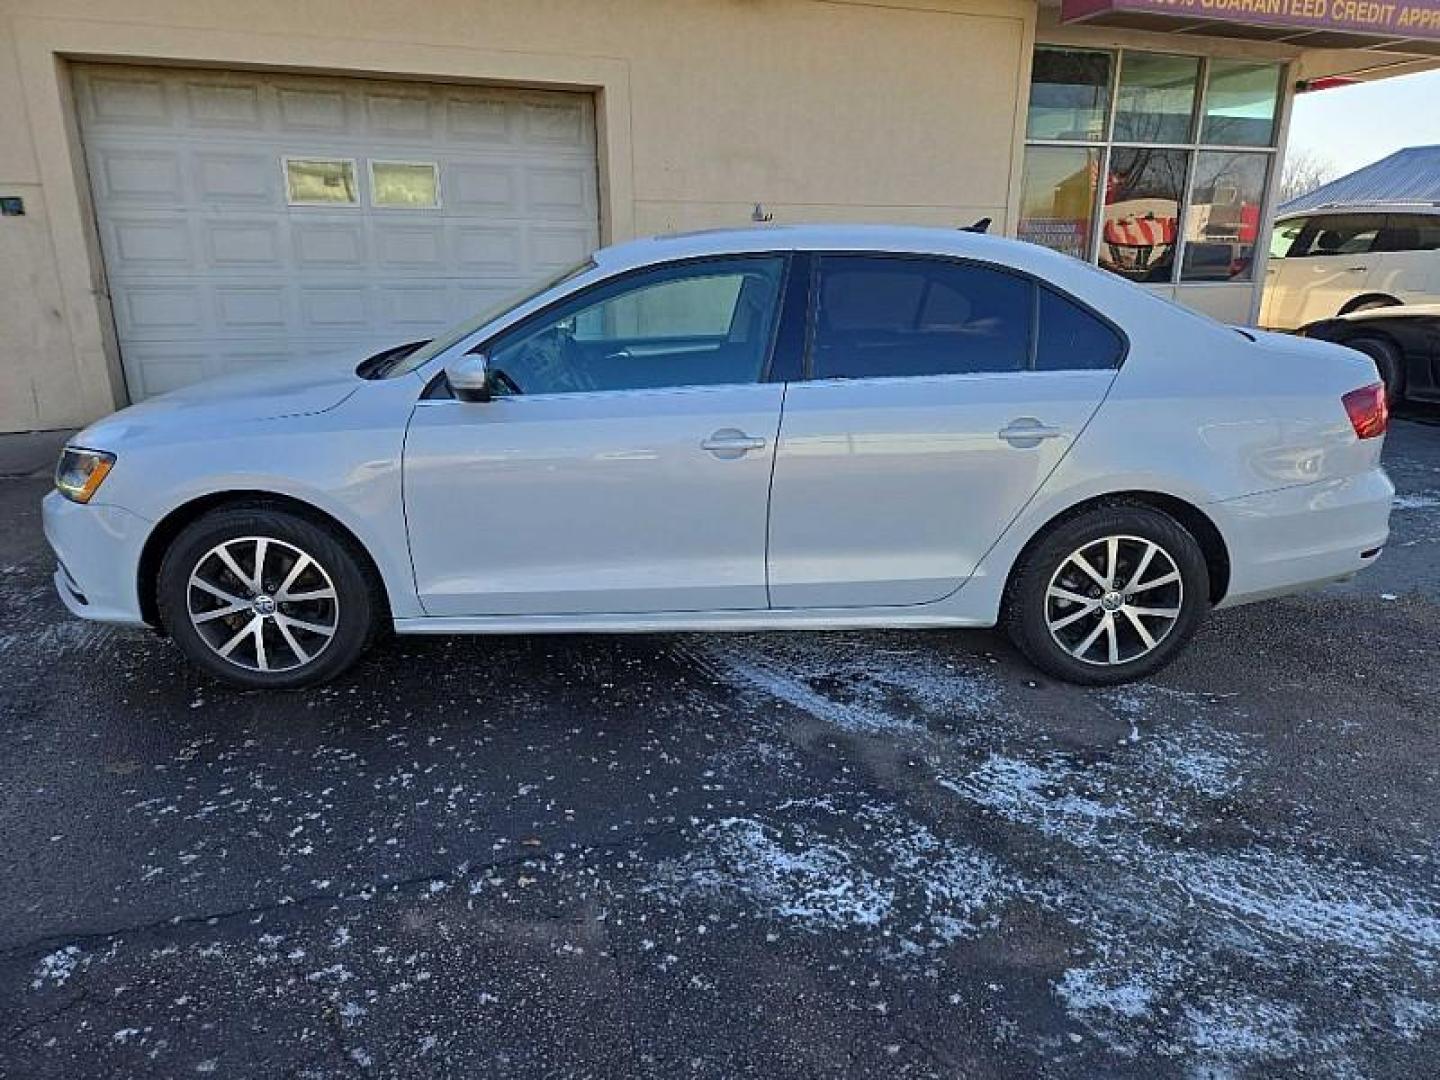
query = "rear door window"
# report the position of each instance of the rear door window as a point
(884, 317)
(1340, 234)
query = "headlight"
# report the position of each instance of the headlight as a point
(81, 472)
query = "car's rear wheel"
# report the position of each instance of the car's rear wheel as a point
(1387, 361)
(265, 599)
(1109, 595)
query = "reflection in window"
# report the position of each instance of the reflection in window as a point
(406, 184)
(1069, 91)
(1282, 237)
(1156, 97)
(693, 324)
(320, 182)
(1240, 101)
(882, 317)
(1340, 234)
(1222, 222)
(1057, 197)
(1142, 210)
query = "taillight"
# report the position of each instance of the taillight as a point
(1368, 411)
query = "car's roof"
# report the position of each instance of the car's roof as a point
(898, 239)
(1331, 209)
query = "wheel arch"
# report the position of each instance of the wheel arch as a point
(171, 525)
(1376, 299)
(1198, 523)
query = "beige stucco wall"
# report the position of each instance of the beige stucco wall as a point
(820, 109)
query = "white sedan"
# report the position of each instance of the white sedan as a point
(801, 428)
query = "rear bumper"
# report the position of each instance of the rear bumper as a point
(1300, 537)
(98, 548)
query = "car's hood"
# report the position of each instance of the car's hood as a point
(288, 390)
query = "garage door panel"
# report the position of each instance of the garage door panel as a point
(324, 245)
(249, 309)
(211, 269)
(128, 99)
(161, 243)
(254, 244)
(229, 179)
(311, 110)
(141, 177)
(214, 104)
(410, 246)
(159, 310)
(334, 308)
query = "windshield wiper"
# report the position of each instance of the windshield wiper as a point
(383, 362)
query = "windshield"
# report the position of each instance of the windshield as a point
(406, 364)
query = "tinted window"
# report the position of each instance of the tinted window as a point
(1339, 234)
(688, 325)
(1411, 232)
(1073, 339)
(882, 317)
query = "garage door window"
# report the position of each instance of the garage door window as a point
(320, 182)
(412, 185)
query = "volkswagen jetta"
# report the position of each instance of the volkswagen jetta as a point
(781, 428)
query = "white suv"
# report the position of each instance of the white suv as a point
(1340, 259)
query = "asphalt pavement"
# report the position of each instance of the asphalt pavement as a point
(868, 854)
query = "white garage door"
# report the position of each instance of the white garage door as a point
(251, 219)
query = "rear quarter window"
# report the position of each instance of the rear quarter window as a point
(1072, 339)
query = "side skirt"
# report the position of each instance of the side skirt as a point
(689, 622)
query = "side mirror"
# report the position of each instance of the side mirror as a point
(469, 377)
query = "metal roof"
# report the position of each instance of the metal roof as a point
(1411, 175)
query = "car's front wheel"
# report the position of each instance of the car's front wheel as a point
(265, 599)
(1109, 595)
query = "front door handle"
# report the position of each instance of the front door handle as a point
(730, 443)
(1027, 432)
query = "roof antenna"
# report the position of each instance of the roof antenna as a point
(981, 226)
(759, 214)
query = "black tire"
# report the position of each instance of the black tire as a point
(1388, 362)
(271, 663)
(1030, 608)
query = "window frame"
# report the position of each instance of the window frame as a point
(434, 166)
(438, 387)
(354, 163)
(1109, 143)
(1034, 281)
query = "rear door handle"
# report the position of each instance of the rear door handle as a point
(730, 443)
(1027, 432)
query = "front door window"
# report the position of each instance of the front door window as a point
(691, 324)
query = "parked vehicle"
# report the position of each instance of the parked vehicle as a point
(779, 428)
(1404, 342)
(1336, 260)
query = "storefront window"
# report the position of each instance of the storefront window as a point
(1057, 197)
(1178, 200)
(1069, 93)
(1156, 99)
(1240, 102)
(1223, 219)
(1142, 212)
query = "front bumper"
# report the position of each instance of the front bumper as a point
(98, 548)
(1300, 537)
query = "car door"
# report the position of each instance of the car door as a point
(1408, 266)
(1279, 272)
(934, 411)
(623, 462)
(1330, 264)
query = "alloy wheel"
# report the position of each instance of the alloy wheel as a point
(262, 604)
(1114, 600)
